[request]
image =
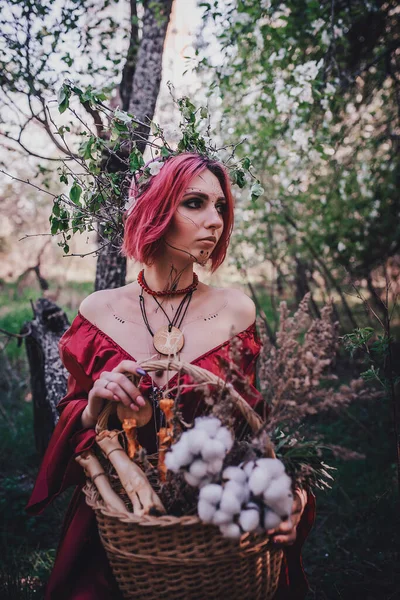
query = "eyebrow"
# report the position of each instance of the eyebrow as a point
(202, 195)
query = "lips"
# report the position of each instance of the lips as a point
(209, 239)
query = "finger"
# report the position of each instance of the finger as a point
(284, 528)
(285, 540)
(130, 398)
(130, 366)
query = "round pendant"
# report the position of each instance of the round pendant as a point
(168, 342)
(141, 416)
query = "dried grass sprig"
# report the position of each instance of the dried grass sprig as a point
(293, 374)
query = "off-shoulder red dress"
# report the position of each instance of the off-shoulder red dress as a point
(81, 570)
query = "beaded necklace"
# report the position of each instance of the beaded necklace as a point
(171, 292)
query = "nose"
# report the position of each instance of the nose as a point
(214, 220)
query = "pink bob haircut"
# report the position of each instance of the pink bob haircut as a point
(156, 203)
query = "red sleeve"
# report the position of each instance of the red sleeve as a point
(59, 470)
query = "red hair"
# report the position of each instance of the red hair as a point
(155, 205)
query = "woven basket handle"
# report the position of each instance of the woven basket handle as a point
(200, 375)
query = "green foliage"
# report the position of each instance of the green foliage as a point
(99, 194)
(316, 104)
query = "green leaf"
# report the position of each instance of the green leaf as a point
(54, 226)
(75, 193)
(256, 191)
(203, 112)
(63, 96)
(135, 160)
(238, 177)
(122, 116)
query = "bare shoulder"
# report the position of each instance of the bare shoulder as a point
(240, 308)
(93, 305)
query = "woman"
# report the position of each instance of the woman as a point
(183, 215)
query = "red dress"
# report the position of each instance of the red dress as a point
(81, 570)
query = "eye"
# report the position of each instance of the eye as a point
(221, 207)
(194, 203)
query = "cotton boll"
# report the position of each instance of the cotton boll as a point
(182, 455)
(213, 449)
(208, 424)
(271, 520)
(231, 531)
(197, 439)
(234, 473)
(279, 497)
(212, 493)
(224, 435)
(241, 491)
(249, 519)
(230, 503)
(248, 467)
(259, 480)
(171, 463)
(215, 466)
(206, 511)
(221, 518)
(198, 468)
(191, 480)
(274, 466)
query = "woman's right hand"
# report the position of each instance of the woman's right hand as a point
(115, 386)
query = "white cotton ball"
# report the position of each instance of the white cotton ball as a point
(241, 491)
(205, 511)
(274, 465)
(279, 497)
(171, 463)
(221, 518)
(271, 520)
(230, 531)
(234, 473)
(182, 454)
(248, 467)
(259, 480)
(212, 493)
(249, 519)
(196, 440)
(198, 469)
(215, 466)
(213, 449)
(224, 435)
(230, 503)
(208, 424)
(191, 480)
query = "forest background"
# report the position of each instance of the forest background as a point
(308, 93)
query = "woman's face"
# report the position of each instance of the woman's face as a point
(198, 222)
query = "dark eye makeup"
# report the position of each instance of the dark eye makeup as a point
(196, 203)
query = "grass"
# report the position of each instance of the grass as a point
(350, 552)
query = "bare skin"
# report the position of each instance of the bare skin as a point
(213, 317)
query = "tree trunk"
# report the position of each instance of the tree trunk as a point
(48, 375)
(140, 95)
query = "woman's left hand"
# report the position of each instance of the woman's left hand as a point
(286, 533)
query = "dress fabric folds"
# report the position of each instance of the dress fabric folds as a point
(81, 570)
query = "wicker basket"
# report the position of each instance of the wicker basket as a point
(180, 557)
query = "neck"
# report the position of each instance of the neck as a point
(160, 276)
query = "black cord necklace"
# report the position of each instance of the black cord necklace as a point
(169, 339)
